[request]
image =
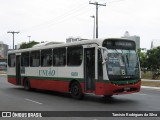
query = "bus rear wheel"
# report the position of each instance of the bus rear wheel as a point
(76, 90)
(27, 85)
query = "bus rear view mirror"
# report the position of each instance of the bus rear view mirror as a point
(104, 54)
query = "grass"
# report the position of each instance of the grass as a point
(148, 75)
(152, 84)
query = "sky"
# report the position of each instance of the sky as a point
(56, 20)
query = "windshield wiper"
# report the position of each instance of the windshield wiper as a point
(127, 60)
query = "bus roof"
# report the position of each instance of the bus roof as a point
(61, 44)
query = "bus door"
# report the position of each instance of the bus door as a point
(89, 69)
(18, 69)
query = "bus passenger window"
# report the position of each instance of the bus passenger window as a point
(59, 57)
(11, 60)
(35, 59)
(74, 55)
(46, 57)
(25, 59)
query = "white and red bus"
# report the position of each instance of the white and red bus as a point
(100, 66)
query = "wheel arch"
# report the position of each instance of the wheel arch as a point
(75, 89)
(71, 82)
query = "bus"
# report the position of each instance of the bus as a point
(98, 66)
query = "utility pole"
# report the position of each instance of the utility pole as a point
(93, 26)
(13, 36)
(97, 5)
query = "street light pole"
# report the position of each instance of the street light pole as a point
(29, 38)
(93, 26)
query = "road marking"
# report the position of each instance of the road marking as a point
(33, 101)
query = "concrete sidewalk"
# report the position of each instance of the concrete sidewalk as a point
(3, 73)
(158, 88)
(149, 80)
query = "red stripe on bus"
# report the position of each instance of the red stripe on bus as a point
(12, 80)
(111, 89)
(54, 85)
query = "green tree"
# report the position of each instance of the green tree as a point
(153, 61)
(25, 45)
(143, 62)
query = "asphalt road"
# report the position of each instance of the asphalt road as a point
(15, 98)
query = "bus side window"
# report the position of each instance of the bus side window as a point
(56, 60)
(74, 55)
(25, 59)
(35, 58)
(11, 60)
(59, 57)
(46, 57)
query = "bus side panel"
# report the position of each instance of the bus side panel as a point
(11, 72)
(82, 86)
(12, 80)
(111, 89)
(54, 85)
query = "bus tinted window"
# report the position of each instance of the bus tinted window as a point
(100, 69)
(46, 57)
(11, 60)
(59, 57)
(35, 58)
(25, 59)
(74, 55)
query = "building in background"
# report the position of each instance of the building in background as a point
(155, 43)
(134, 38)
(73, 39)
(3, 50)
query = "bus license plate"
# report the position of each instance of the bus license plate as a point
(127, 89)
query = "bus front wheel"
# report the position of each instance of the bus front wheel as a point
(76, 90)
(27, 85)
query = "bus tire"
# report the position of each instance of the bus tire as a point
(27, 85)
(76, 91)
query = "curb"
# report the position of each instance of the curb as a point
(3, 74)
(150, 87)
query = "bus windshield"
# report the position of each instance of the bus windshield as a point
(122, 64)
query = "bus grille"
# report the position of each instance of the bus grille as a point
(125, 90)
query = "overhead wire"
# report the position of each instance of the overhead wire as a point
(58, 18)
(76, 11)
